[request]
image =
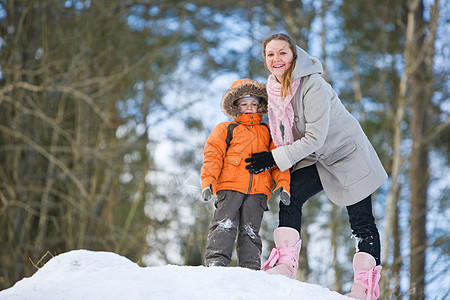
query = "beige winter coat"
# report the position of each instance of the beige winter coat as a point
(327, 134)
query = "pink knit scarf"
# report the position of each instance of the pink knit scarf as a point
(280, 111)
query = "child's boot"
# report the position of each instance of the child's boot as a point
(366, 277)
(283, 259)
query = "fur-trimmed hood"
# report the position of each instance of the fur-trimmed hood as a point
(239, 89)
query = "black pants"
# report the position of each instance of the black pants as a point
(305, 183)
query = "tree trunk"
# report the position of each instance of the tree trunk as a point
(397, 262)
(421, 93)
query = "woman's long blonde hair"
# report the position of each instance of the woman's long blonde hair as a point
(287, 76)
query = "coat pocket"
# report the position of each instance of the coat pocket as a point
(347, 164)
(220, 197)
(264, 204)
(229, 169)
(340, 153)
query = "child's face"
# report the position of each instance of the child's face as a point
(248, 106)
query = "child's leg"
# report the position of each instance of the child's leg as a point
(249, 243)
(223, 228)
(364, 229)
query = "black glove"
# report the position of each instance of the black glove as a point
(259, 162)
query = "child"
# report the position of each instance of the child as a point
(240, 197)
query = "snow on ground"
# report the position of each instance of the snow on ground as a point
(86, 275)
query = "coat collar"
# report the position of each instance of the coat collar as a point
(249, 119)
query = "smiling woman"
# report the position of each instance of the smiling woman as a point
(278, 57)
(326, 149)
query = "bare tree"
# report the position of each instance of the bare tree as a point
(422, 50)
(77, 80)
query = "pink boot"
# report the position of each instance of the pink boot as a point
(283, 260)
(366, 277)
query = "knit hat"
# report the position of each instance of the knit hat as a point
(240, 89)
(246, 97)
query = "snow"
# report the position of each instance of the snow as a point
(225, 224)
(85, 275)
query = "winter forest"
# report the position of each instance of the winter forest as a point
(105, 106)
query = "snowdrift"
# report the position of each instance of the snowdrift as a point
(86, 275)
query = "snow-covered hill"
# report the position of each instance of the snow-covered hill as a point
(86, 275)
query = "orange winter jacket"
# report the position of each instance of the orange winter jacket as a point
(225, 169)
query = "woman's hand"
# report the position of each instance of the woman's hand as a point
(260, 162)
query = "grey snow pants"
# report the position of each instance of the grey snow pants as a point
(235, 210)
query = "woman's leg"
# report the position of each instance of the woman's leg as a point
(364, 229)
(305, 183)
(283, 260)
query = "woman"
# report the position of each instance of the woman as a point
(326, 149)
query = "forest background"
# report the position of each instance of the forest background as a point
(105, 106)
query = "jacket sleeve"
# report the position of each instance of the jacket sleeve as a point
(214, 154)
(317, 115)
(282, 179)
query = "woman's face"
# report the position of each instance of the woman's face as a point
(278, 57)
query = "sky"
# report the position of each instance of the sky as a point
(86, 275)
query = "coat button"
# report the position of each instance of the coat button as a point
(251, 117)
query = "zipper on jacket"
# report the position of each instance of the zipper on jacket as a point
(250, 184)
